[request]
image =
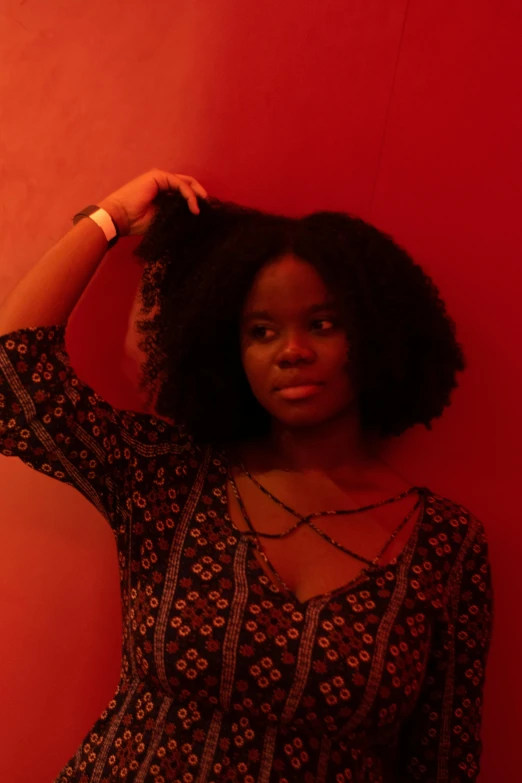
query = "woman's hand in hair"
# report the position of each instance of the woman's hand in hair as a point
(132, 207)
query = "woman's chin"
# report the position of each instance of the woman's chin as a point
(301, 418)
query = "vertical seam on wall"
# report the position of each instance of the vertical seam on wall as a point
(388, 108)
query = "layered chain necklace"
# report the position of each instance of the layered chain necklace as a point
(307, 520)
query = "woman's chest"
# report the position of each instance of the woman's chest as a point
(326, 552)
(208, 621)
(204, 618)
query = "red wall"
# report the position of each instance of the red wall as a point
(406, 113)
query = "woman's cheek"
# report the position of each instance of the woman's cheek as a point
(257, 376)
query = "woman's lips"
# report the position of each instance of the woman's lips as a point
(299, 392)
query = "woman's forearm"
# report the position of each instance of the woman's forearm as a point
(49, 292)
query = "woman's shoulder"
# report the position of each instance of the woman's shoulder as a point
(154, 434)
(452, 531)
(445, 508)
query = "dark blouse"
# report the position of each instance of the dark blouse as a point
(225, 675)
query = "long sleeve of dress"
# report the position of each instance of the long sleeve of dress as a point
(57, 425)
(441, 740)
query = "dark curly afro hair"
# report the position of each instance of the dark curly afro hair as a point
(199, 268)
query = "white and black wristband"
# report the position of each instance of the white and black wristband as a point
(102, 219)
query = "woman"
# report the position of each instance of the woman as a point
(294, 609)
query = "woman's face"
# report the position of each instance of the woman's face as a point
(291, 333)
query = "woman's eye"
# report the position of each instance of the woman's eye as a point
(324, 321)
(257, 332)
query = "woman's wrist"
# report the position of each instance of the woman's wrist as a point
(117, 213)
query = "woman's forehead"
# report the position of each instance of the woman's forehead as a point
(285, 280)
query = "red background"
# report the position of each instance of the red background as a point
(404, 112)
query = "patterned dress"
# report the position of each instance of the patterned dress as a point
(225, 675)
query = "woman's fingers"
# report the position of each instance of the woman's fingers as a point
(187, 185)
(194, 184)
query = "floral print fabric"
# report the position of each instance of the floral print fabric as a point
(226, 676)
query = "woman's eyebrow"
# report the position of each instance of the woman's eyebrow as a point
(324, 306)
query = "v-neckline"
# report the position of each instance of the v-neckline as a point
(276, 581)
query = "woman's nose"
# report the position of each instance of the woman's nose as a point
(296, 350)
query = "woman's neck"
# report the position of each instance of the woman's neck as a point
(335, 446)
(341, 454)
